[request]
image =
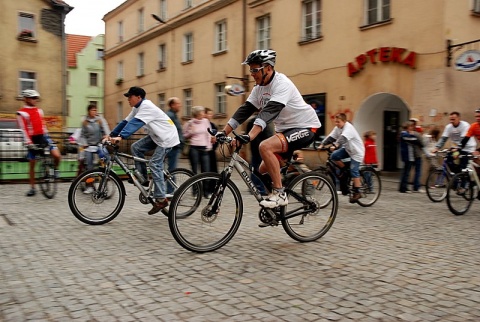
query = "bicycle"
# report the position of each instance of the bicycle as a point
(45, 173)
(438, 178)
(462, 187)
(212, 222)
(107, 199)
(371, 184)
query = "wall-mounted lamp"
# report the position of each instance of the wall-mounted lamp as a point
(154, 16)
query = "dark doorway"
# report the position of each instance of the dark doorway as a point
(391, 126)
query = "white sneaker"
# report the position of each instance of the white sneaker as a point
(88, 191)
(275, 200)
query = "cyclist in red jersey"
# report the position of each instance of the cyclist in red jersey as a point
(30, 120)
(474, 131)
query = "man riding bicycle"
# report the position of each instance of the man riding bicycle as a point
(278, 100)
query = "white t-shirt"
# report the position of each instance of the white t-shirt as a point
(455, 134)
(296, 113)
(158, 125)
(354, 146)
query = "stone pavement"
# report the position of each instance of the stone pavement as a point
(404, 259)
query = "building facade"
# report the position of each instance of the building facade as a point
(380, 62)
(33, 57)
(85, 77)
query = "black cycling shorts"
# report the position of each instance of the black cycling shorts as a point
(294, 139)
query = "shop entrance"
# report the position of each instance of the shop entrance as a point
(391, 126)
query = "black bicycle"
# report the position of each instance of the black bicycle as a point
(438, 178)
(45, 170)
(97, 196)
(203, 223)
(371, 185)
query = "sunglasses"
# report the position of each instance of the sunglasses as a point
(256, 70)
(477, 110)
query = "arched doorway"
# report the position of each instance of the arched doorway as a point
(384, 113)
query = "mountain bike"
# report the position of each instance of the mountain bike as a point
(371, 184)
(45, 171)
(106, 197)
(464, 187)
(438, 178)
(202, 224)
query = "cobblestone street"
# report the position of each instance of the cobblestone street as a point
(404, 259)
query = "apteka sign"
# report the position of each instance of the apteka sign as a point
(468, 61)
(384, 55)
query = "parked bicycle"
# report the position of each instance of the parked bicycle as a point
(45, 170)
(464, 187)
(202, 224)
(106, 197)
(371, 187)
(438, 178)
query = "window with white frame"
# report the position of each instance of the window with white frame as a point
(312, 19)
(162, 56)
(220, 98)
(476, 6)
(163, 10)
(161, 101)
(188, 101)
(188, 4)
(100, 54)
(141, 20)
(93, 79)
(120, 70)
(263, 32)
(120, 31)
(221, 36)
(26, 25)
(119, 112)
(188, 47)
(27, 80)
(377, 11)
(140, 64)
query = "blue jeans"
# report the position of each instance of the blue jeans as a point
(341, 154)
(172, 163)
(199, 157)
(156, 163)
(406, 174)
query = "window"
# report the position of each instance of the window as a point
(220, 98)
(94, 103)
(188, 48)
(476, 6)
(312, 19)
(120, 31)
(26, 25)
(188, 4)
(119, 112)
(377, 11)
(99, 54)
(221, 36)
(140, 64)
(188, 101)
(162, 57)
(120, 69)
(28, 80)
(263, 32)
(163, 10)
(93, 79)
(161, 101)
(141, 20)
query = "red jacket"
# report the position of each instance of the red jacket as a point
(30, 120)
(370, 152)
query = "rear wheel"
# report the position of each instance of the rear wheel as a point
(460, 194)
(436, 186)
(312, 207)
(371, 187)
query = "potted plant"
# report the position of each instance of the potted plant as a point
(25, 33)
(119, 81)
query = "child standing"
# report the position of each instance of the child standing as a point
(370, 156)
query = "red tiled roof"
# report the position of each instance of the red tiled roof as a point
(75, 44)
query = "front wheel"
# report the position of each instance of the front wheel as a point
(460, 194)
(436, 186)
(312, 207)
(46, 178)
(96, 199)
(212, 221)
(371, 187)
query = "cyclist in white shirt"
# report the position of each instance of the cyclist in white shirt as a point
(349, 144)
(278, 100)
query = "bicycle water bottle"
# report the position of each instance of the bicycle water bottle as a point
(139, 176)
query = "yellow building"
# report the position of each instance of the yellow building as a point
(380, 62)
(32, 57)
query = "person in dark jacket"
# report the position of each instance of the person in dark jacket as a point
(411, 145)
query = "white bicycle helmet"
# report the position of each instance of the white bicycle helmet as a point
(261, 56)
(30, 93)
